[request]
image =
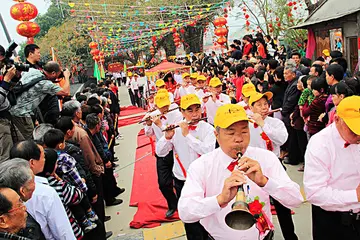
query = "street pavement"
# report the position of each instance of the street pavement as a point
(122, 214)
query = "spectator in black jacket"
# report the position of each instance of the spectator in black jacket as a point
(278, 89)
(297, 138)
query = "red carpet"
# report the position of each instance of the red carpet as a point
(130, 120)
(145, 193)
(130, 110)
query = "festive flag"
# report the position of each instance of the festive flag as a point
(125, 70)
(97, 72)
(102, 71)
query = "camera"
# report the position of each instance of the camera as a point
(8, 63)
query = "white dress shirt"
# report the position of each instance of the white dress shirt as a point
(182, 91)
(134, 85)
(205, 182)
(200, 93)
(171, 97)
(178, 78)
(332, 172)
(211, 106)
(172, 117)
(198, 142)
(246, 107)
(128, 82)
(47, 209)
(276, 131)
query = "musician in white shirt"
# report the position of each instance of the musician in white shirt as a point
(270, 133)
(200, 86)
(246, 92)
(185, 88)
(212, 181)
(216, 99)
(160, 85)
(177, 76)
(135, 89)
(190, 140)
(155, 124)
(128, 86)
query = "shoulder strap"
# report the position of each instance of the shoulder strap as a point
(20, 88)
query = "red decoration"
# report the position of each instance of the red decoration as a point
(93, 45)
(192, 23)
(295, 8)
(101, 54)
(28, 29)
(221, 31)
(94, 52)
(173, 30)
(277, 19)
(225, 15)
(176, 35)
(270, 25)
(247, 16)
(244, 9)
(182, 31)
(247, 23)
(96, 58)
(219, 22)
(290, 4)
(176, 40)
(221, 40)
(278, 24)
(23, 11)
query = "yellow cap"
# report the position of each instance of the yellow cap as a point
(215, 82)
(159, 83)
(135, 75)
(129, 74)
(194, 75)
(326, 52)
(349, 111)
(256, 96)
(162, 100)
(228, 114)
(201, 78)
(188, 100)
(162, 91)
(248, 89)
(185, 75)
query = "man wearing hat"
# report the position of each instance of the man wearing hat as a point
(270, 133)
(200, 86)
(185, 88)
(189, 142)
(128, 86)
(213, 179)
(216, 99)
(159, 119)
(160, 85)
(332, 175)
(247, 90)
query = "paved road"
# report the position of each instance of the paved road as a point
(123, 214)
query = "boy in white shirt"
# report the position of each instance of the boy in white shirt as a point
(160, 85)
(246, 92)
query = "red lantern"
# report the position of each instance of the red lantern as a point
(221, 32)
(244, 9)
(278, 24)
(152, 50)
(270, 25)
(176, 35)
(93, 45)
(192, 23)
(101, 54)
(28, 29)
(23, 11)
(176, 40)
(290, 4)
(277, 19)
(219, 22)
(182, 31)
(247, 16)
(225, 15)
(221, 40)
(173, 30)
(247, 23)
(96, 58)
(295, 8)
(72, 10)
(94, 52)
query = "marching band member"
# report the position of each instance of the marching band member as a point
(200, 86)
(189, 142)
(184, 88)
(247, 90)
(160, 84)
(212, 180)
(193, 79)
(332, 175)
(216, 100)
(270, 133)
(164, 165)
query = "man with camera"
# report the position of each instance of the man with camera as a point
(32, 54)
(29, 100)
(8, 132)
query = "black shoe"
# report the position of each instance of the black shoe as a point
(117, 144)
(170, 213)
(107, 218)
(114, 165)
(119, 191)
(289, 162)
(108, 234)
(114, 203)
(116, 159)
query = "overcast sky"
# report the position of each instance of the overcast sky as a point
(11, 24)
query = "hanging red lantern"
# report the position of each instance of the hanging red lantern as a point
(96, 58)
(247, 23)
(72, 10)
(221, 32)
(23, 11)
(173, 30)
(176, 40)
(244, 9)
(290, 4)
(221, 40)
(192, 23)
(93, 45)
(219, 22)
(270, 25)
(295, 8)
(176, 35)
(28, 29)
(277, 19)
(278, 24)
(94, 52)
(182, 31)
(247, 16)
(152, 50)
(101, 54)
(225, 16)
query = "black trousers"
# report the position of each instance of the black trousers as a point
(132, 97)
(99, 208)
(333, 225)
(81, 209)
(137, 99)
(297, 145)
(194, 231)
(285, 221)
(164, 166)
(109, 185)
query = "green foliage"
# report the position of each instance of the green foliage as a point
(52, 18)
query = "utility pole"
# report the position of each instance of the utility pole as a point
(5, 29)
